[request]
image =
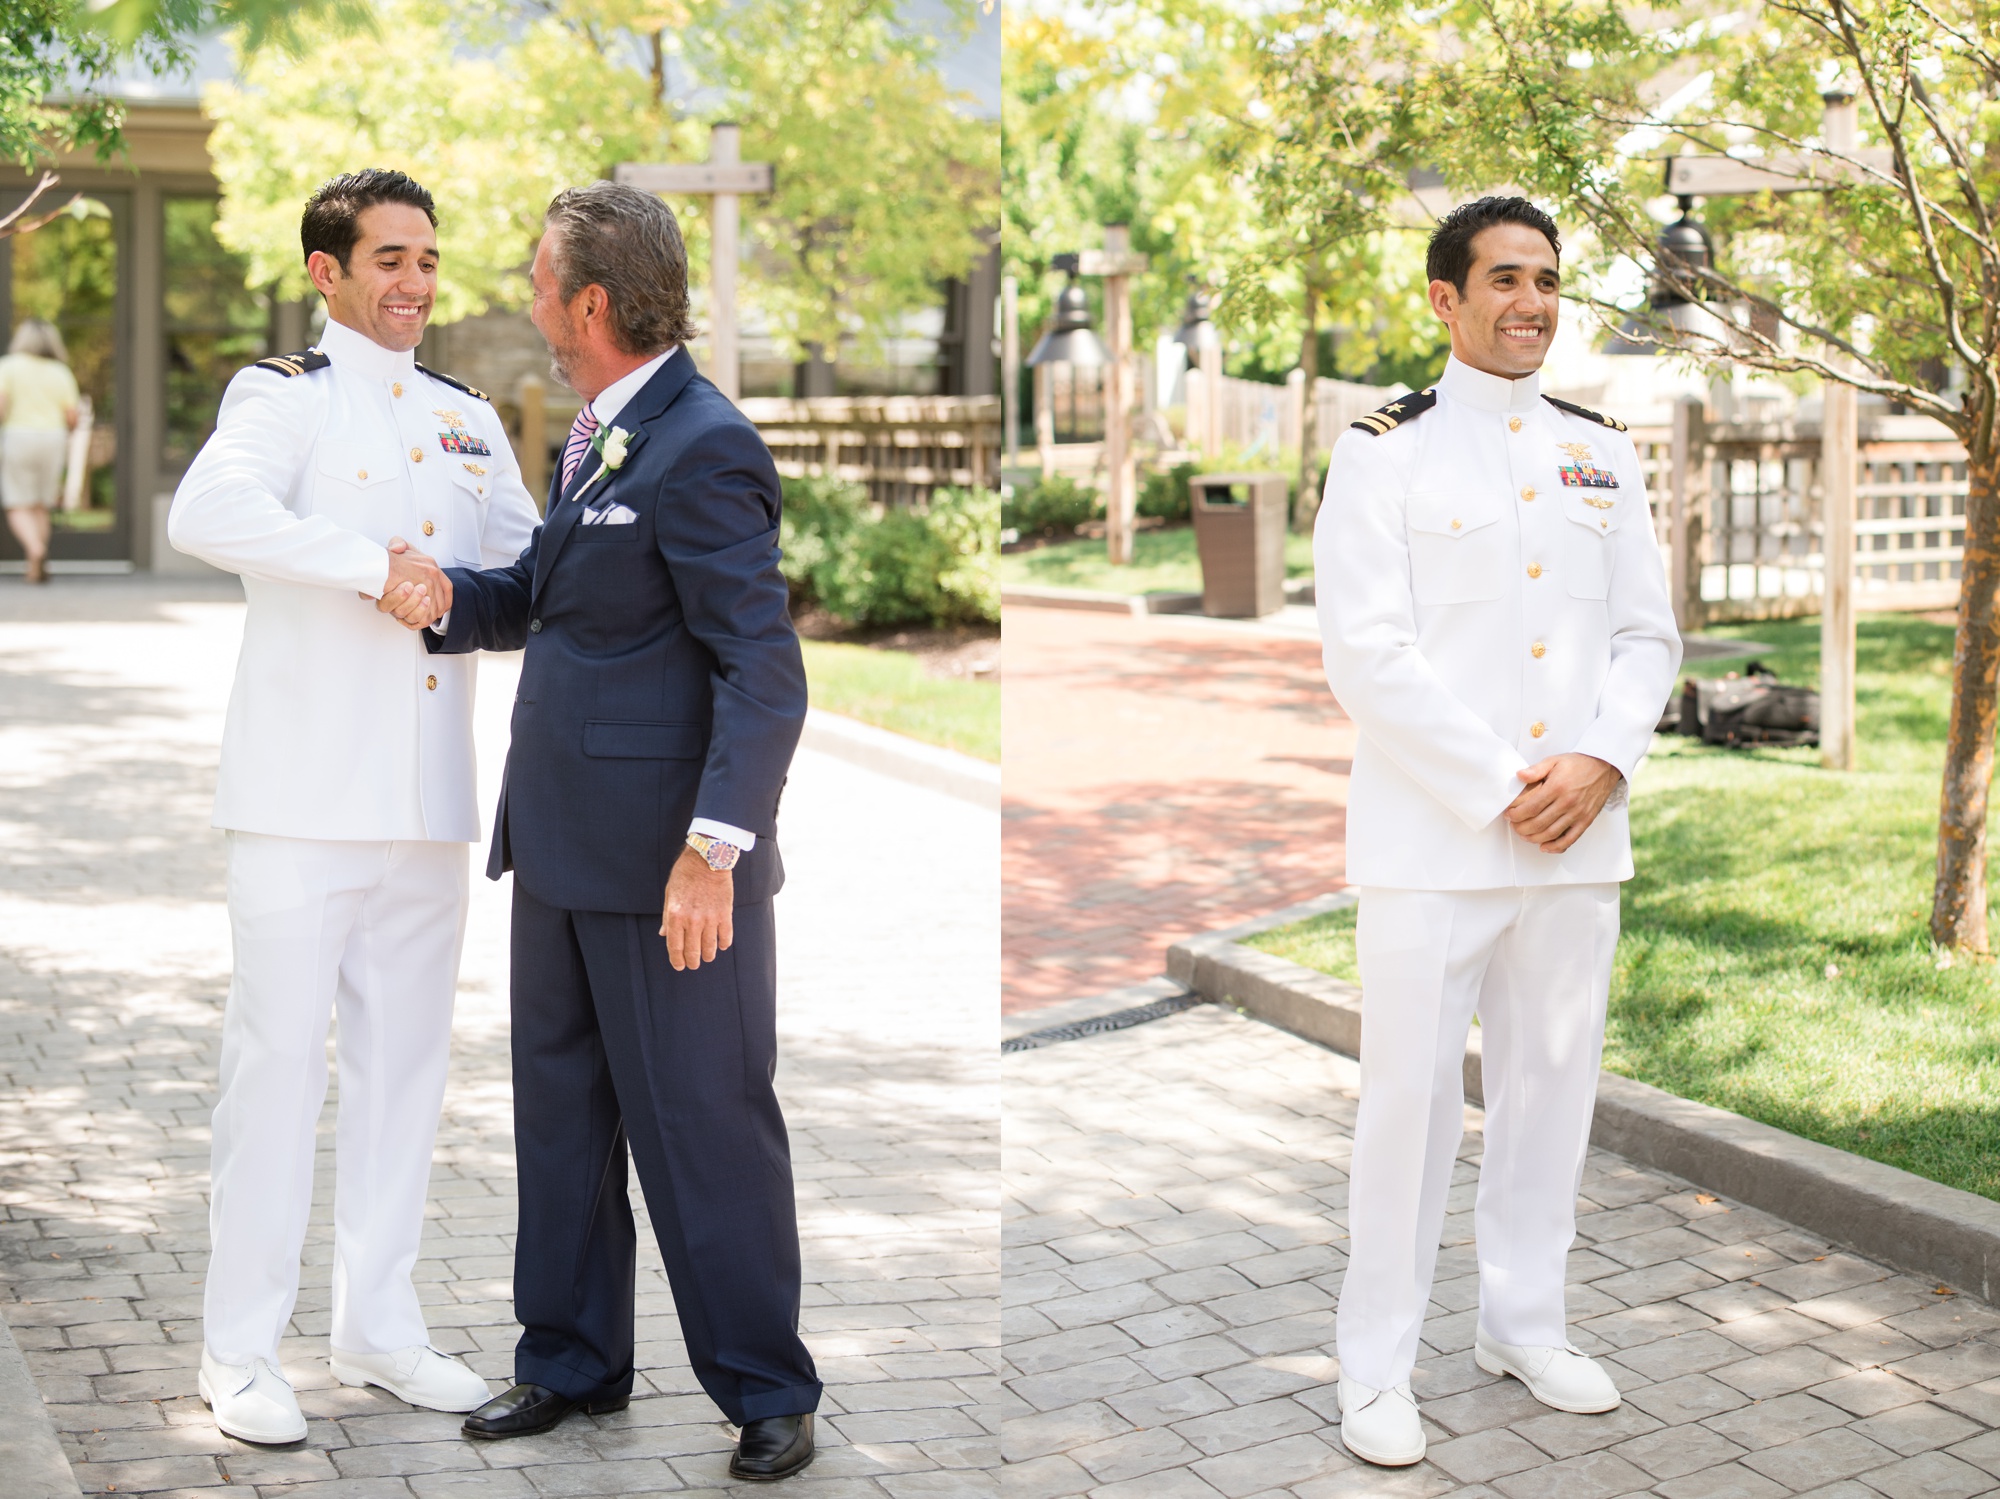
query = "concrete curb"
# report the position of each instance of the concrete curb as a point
(31, 1455)
(904, 758)
(1887, 1214)
(1297, 591)
(1102, 603)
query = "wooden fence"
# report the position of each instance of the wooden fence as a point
(1264, 420)
(900, 447)
(1743, 508)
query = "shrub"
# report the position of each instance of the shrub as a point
(1166, 494)
(1052, 506)
(872, 566)
(820, 519)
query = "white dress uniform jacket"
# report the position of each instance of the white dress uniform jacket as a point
(1490, 593)
(341, 725)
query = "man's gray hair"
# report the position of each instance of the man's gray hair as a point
(38, 336)
(629, 243)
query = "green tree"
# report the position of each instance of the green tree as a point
(69, 50)
(1191, 123)
(883, 181)
(1885, 276)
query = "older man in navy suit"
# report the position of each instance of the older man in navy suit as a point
(661, 699)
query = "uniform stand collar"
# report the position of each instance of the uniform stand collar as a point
(361, 354)
(1484, 392)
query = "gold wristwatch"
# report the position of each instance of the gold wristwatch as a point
(720, 855)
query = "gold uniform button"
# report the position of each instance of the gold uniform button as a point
(397, 390)
(432, 684)
(1528, 493)
(1538, 650)
(429, 529)
(1604, 525)
(1534, 569)
(1535, 729)
(416, 455)
(1513, 424)
(361, 474)
(1456, 524)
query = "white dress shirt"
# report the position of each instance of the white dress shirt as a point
(1490, 594)
(341, 725)
(605, 406)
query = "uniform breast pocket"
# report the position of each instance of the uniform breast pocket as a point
(1458, 548)
(1593, 517)
(463, 520)
(353, 481)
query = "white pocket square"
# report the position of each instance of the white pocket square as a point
(610, 515)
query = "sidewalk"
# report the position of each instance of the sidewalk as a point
(113, 963)
(1175, 1242)
(1165, 776)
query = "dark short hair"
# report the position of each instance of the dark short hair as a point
(332, 220)
(629, 243)
(1449, 257)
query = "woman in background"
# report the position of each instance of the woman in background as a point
(38, 408)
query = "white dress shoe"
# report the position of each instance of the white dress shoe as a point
(252, 1402)
(1558, 1377)
(1381, 1426)
(418, 1374)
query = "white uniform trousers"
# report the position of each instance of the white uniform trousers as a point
(373, 929)
(1536, 965)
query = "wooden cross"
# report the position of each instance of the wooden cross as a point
(724, 178)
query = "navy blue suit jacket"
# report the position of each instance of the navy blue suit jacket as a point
(663, 680)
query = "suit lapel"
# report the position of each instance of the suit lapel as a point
(654, 397)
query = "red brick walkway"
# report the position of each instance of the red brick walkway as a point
(1163, 776)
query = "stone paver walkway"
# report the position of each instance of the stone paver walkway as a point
(1165, 776)
(113, 964)
(1174, 1249)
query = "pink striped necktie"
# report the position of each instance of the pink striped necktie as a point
(580, 432)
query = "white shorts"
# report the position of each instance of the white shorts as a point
(31, 467)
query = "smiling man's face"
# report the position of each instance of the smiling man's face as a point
(1505, 320)
(390, 281)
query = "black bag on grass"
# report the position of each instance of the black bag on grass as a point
(1751, 708)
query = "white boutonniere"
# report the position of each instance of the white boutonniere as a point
(610, 445)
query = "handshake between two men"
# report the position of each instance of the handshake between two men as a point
(698, 916)
(418, 593)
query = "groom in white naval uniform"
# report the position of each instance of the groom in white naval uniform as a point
(348, 792)
(1495, 621)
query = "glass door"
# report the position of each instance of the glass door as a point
(73, 272)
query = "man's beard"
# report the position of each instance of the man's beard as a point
(556, 366)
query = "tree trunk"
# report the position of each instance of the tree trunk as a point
(1958, 908)
(1305, 503)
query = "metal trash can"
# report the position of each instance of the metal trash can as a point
(1239, 529)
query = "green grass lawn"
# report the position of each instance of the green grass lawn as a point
(1776, 958)
(1163, 561)
(891, 690)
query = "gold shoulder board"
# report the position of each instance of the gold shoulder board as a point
(1402, 409)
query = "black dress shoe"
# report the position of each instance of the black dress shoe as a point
(528, 1408)
(772, 1448)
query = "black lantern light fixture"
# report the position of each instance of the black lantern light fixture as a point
(1071, 340)
(1197, 332)
(1684, 251)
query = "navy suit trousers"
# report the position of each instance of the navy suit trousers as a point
(611, 1045)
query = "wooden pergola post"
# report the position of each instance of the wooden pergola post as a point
(1010, 368)
(1724, 176)
(1117, 265)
